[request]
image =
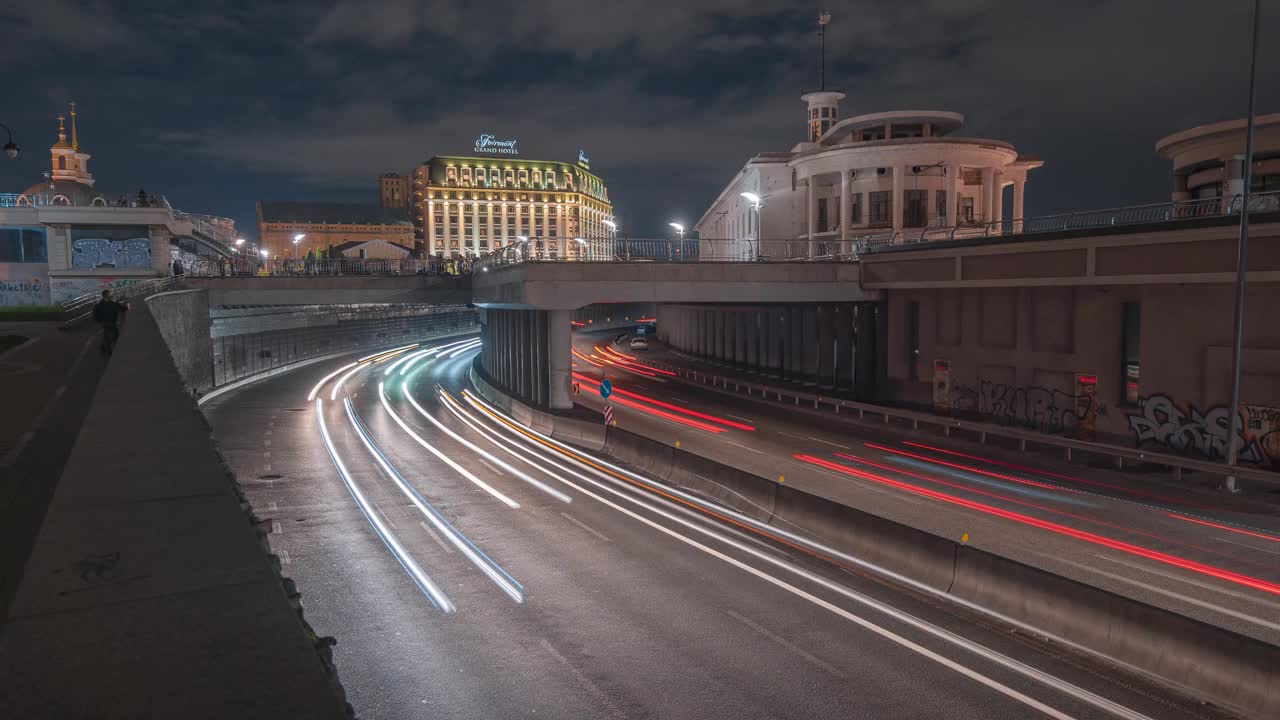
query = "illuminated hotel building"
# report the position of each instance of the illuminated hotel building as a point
(474, 205)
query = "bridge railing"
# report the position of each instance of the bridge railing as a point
(247, 265)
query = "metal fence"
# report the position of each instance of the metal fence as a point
(247, 266)
(239, 356)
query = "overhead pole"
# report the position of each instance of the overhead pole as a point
(1237, 343)
(823, 20)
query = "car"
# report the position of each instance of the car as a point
(639, 343)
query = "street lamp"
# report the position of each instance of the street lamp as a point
(679, 229)
(755, 201)
(10, 148)
(264, 254)
(239, 242)
(297, 239)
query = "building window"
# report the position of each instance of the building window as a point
(495, 177)
(23, 245)
(1265, 183)
(907, 131)
(1130, 342)
(524, 178)
(966, 209)
(822, 216)
(915, 208)
(62, 163)
(466, 176)
(876, 133)
(881, 208)
(913, 340)
(451, 176)
(510, 176)
(940, 205)
(855, 209)
(1208, 192)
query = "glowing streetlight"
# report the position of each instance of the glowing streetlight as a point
(239, 242)
(264, 254)
(678, 228)
(298, 238)
(610, 224)
(753, 198)
(10, 148)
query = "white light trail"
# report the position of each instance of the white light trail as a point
(434, 351)
(391, 368)
(482, 562)
(485, 453)
(420, 578)
(445, 458)
(333, 394)
(929, 628)
(461, 350)
(366, 358)
(312, 395)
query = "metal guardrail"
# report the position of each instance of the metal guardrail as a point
(1119, 455)
(248, 266)
(78, 308)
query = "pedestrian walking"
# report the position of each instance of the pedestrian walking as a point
(107, 313)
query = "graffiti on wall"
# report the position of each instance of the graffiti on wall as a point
(90, 253)
(63, 289)
(1045, 409)
(1162, 422)
(24, 284)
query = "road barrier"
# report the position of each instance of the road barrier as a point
(1199, 659)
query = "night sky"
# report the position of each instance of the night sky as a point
(220, 104)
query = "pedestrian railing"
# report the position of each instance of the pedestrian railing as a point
(246, 266)
(1120, 456)
(79, 308)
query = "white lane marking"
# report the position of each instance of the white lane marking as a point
(12, 456)
(492, 469)
(273, 506)
(435, 537)
(786, 644)
(1214, 607)
(682, 402)
(266, 468)
(798, 437)
(584, 526)
(284, 556)
(738, 417)
(744, 447)
(1248, 547)
(583, 680)
(267, 442)
(937, 632)
(828, 442)
(1188, 581)
(276, 529)
(384, 514)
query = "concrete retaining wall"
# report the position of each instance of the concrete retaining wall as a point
(579, 432)
(183, 319)
(1204, 661)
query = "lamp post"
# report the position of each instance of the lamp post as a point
(10, 148)
(613, 238)
(679, 231)
(297, 239)
(582, 248)
(1237, 343)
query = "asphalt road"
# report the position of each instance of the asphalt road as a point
(1199, 553)
(470, 571)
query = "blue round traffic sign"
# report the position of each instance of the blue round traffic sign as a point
(606, 388)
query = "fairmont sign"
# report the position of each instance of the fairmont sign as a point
(490, 144)
(583, 160)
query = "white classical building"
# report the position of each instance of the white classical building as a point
(900, 176)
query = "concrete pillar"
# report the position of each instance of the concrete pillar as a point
(811, 210)
(865, 353)
(846, 210)
(988, 195)
(826, 344)
(1019, 185)
(515, 229)
(794, 348)
(444, 232)
(740, 340)
(895, 199)
(775, 325)
(809, 342)
(1180, 192)
(953, 200)
(997, 200)
(505, 230)
(753, 323)
(493, 238)
(559, 382)
(431, 228)
(844, 346)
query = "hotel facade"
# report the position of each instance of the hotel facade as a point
(472, 205)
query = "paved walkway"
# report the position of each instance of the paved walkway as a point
(148, 593)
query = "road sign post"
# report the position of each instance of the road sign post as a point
(606, 388)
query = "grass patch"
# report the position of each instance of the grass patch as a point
(31, 312)
(10, 341)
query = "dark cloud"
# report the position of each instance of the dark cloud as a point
(236, 101)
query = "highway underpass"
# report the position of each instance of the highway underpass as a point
(471, 569)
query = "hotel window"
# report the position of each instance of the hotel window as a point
(966, 209)
(940, 205)
(822, 216)
(510, 176)
(466, 176)
(551, 178)
(881, 208)
(915, 204)
(537, 178)
(495, 177)
(524, 178)
(855, 210)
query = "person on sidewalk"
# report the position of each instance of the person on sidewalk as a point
(107, 313)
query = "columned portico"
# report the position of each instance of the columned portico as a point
(895, 199)
(1019, 184)
(846, 210)
(431, 228)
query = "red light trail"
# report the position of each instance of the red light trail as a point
(1173, 560)
(691, 413)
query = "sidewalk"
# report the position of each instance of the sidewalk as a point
(149, 593)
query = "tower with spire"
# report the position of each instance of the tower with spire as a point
(68, 163)
(824, 104)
